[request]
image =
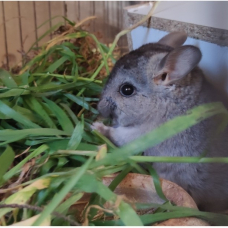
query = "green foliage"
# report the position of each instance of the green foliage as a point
(47, 150)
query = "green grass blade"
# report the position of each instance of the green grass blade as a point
(7, 134)
(35, 105)
(163, 132)
(7, 79)
(119, 178)
(63, 192)
(172, 212)
(16, 168)
(47, 21)
(14, 93)
(70, 22)
(179, 159)
(80, 101)
(157, 183)
(98, 200)
(102, 53)
(63, 119)
(6, 159)
(67, 203)
(53, 28)
(70, 113)
(53, 87)
(11, 139)
(76, 35)
(57, 64)
(106, 140)
(6, 110)
(124, 211)
(76, 136)
(26, 112)
(216, 219)
(22, 196)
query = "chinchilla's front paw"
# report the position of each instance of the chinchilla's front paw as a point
(99, 126)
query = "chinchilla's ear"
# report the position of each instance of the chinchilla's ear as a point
(174, 39)
(177, 64)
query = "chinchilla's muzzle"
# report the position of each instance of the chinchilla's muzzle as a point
(106, 106)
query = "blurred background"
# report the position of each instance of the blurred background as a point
(23, 22)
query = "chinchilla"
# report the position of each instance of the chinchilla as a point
(153, 84)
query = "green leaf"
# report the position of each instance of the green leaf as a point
(119, 178)
(6, 159)
(63, 119)
(61, 144)
(163, 132)
(57, 64)
(173, 212)
(70, 113)
(98, 200)
(26, 112)
(179, 159)
(6, 110)
(7, 79)
(63, 207)
(8, 134)
(106, 140)
(29, 221)
(14, 93)
(53, 28)
(124, 211)
(180, 212)
(3, 117)
(24, 78)
(76, 35)
(157, 183)
(61, 162)
(35, 105)
(16, 168)
(23, 195)
(76, 136)
(70, 22)
(80, 101)
(47, 166)
(63, 192)
(12, 139)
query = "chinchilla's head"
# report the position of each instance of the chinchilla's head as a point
(141, 78)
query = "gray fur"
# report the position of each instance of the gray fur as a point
(155, 102)
(174, 39)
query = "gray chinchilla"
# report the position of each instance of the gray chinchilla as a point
(152, 85)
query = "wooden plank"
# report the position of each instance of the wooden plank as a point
(57, 9)
(112, 20)
(79, 10)
(2, 38)
(72, 13)
(99, 22)
(84, 9)
(12, 32)
(42, 15)
(27, 24)
(92, 13)
(33, 14)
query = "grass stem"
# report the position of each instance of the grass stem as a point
(179, 159)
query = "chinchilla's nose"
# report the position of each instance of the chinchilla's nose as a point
(104, 107)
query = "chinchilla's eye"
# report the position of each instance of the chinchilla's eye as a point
(127, 90)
